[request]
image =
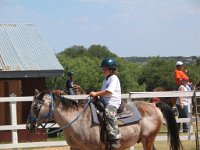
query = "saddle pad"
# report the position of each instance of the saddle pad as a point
(132, 119)
(124, 115)
(122, 121)
(95, 118)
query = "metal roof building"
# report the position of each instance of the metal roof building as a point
(24, 53)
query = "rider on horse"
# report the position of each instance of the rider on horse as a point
(110, 96)
(70, 86)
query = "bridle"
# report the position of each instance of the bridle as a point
(37, 107)
(49, 114)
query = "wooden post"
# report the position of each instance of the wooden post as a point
(190, 124)
(13, 109)
(129, 99)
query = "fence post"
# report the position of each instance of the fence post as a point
(190, 124)
(13, 112)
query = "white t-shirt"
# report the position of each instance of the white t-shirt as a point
(112, 85)
(184, 99)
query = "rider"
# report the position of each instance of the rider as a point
(110, 95)
(70, 83)
(179, 74)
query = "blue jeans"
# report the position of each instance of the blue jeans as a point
(183, 113)
(70, 91)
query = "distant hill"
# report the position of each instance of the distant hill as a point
(142, 60)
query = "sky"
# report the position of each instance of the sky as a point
(126, 27)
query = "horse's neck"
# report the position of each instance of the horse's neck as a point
(64, 116)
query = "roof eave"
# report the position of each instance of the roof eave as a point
(31, 74)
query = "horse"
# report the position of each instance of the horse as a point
(78, 90)
(82, 134)
(171, 101)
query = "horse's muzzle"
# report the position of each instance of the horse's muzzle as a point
(30, 127)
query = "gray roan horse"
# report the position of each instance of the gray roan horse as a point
(82, 134)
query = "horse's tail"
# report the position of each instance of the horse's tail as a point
(173, 132)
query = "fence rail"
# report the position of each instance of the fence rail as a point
(132, 95)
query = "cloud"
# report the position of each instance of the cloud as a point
(82, 19)
(4, 4)
(189, 8)
(10, 6)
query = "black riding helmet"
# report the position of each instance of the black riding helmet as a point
(70, 73)
(109, 63)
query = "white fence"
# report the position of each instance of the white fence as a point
(132, 95)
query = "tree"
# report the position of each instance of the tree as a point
(158, 73)
(100, 52)
(73, 52)
(85, 64)
(198, 61)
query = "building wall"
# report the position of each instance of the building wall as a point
(2, 105)
(10, 88)
(28, 89)
(19, 87)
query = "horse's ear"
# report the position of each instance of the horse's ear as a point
(37, 91)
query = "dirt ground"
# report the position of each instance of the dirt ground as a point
(49, 148)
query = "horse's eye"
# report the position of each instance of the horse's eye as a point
(34, 104)
(41, 101)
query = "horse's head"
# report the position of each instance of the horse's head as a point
(59, 92)
(78, 90)
(41, 110)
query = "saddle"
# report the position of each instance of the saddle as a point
(127, 114)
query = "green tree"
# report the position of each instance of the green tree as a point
(100, 52)
(128, 75)
(85, 64)
(158, 73)
(198, 61)
(73, 52)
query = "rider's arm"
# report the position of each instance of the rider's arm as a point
(99, 93)
(180, 98)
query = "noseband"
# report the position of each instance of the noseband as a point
(37, 106)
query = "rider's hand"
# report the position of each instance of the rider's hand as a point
(181, 106)
(93, 94)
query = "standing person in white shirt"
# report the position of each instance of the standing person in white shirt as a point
(110, 96)
(182, 104)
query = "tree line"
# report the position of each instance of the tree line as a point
(85, 62)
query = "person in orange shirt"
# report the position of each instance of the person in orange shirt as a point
(179, 74)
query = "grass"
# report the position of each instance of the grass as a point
(61, 138)
(163, 145)
(159, 145)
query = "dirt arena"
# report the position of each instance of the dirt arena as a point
(47, 148)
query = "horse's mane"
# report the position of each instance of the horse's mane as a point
(157, 89)
(59, 98)
(68, 103)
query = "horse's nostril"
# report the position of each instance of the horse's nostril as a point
(30, 127)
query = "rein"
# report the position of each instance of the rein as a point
(71, 122)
